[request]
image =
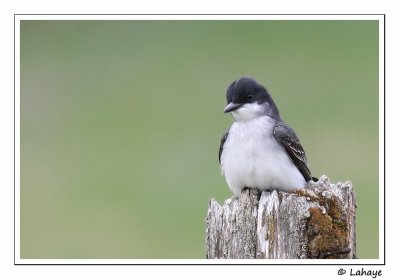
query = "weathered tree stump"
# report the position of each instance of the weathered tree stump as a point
(315, 222)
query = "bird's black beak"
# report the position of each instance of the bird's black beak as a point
(232, 107)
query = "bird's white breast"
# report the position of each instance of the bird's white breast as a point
(252, 158)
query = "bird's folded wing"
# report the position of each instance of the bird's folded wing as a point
(221, 146)
(285, 136)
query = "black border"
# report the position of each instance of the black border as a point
(230, 264)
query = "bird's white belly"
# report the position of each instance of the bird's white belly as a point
(252, 158)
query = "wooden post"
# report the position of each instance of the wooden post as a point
(315, 222)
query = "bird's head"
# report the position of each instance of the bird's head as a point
(248, 100)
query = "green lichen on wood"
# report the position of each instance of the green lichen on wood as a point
(271, 231)
(327, 227)
(324, 234)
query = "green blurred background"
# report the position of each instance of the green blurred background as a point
(121, 123)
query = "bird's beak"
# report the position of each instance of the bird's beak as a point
(232, 107)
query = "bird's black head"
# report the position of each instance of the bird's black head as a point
(246, 91)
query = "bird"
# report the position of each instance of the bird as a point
(260, 150)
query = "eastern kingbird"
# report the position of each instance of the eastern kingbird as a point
(260, 150)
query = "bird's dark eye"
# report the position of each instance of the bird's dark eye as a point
(249, 97)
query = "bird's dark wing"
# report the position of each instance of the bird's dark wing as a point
(221, 146)
(288, 139)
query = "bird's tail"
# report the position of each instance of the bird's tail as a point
(314, 179)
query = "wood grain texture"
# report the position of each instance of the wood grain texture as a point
(315, 222)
